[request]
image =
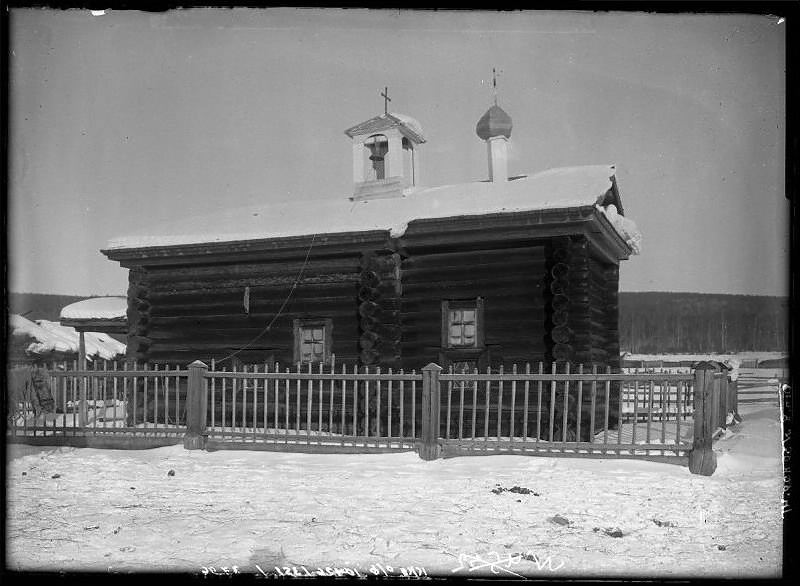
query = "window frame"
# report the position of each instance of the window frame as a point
(327, 328)
(476, 304)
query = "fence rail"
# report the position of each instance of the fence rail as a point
(533, 409)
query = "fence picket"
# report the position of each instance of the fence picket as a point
(266, 400)
(402, 431)
(565, 424)
(297, 413)
(155, 399)
(355, 405)
(635, 411)
(389, 411)
(607, 407)
(525, 417)
(224, 404)
(594, 404)
(286, 389)
(366, 408)
(486, 412)
(513, 405)
(449, 406)
(552, 437)
(651, 387)
(244, 402)
(580, 406)
(344, 401)
(500, 405)
(678, 407)
(331, 391)
(539, 404)
(310, 392)
(461, 411)
(664, 409)
(474, 403)
(378, 409)
(414, 405)
(145, 397)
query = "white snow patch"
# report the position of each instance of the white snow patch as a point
(51, 336)
(567, 187)
(96, 308)
(412, 123)
(254, 510)
(625, 227)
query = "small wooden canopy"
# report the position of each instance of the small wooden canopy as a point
(107, 315)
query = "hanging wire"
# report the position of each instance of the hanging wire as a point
(283, 306)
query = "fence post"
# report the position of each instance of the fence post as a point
(83, 414)
(196, 407)
(430, 449)
(733, 388)
(702, 459)
(723, 400)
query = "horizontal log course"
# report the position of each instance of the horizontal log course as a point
(304, 291)
(479, 256)
(478, 269)
(252, 269)
(255, 283)
(530, 285)
(253, 320)
(233, 304)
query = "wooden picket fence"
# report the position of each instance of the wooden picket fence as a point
(535, 409)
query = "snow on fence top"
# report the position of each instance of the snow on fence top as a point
(566, 187)
(96, 308)
(51, 336)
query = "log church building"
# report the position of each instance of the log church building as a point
(512, 269)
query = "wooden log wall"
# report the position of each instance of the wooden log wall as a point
(138, 314)
(379, 292)
(560, 318)
(198, 312)
(510, 280)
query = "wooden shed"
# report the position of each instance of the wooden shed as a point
(511, 269)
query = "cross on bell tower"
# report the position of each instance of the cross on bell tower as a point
(386, 100)
(494, 83)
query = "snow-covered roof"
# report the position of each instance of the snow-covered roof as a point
(387, 121)
(102, 308)
(566, 187)
(51, 336)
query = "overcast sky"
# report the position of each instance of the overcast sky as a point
(127, 119)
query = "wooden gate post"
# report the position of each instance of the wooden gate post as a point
(196, 407)
(702, 459)
(430, 449)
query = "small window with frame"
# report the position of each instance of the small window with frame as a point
(462, 323)
(313, 340)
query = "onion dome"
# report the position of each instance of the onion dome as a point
(494, 123)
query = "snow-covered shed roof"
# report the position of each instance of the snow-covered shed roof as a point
(96, 308)
(98, 314)
(50, 337)
(568, 187)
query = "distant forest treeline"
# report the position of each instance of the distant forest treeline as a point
(40, 305)
(695, 322)
(648, 322)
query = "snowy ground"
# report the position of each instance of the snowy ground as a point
(170, 509)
